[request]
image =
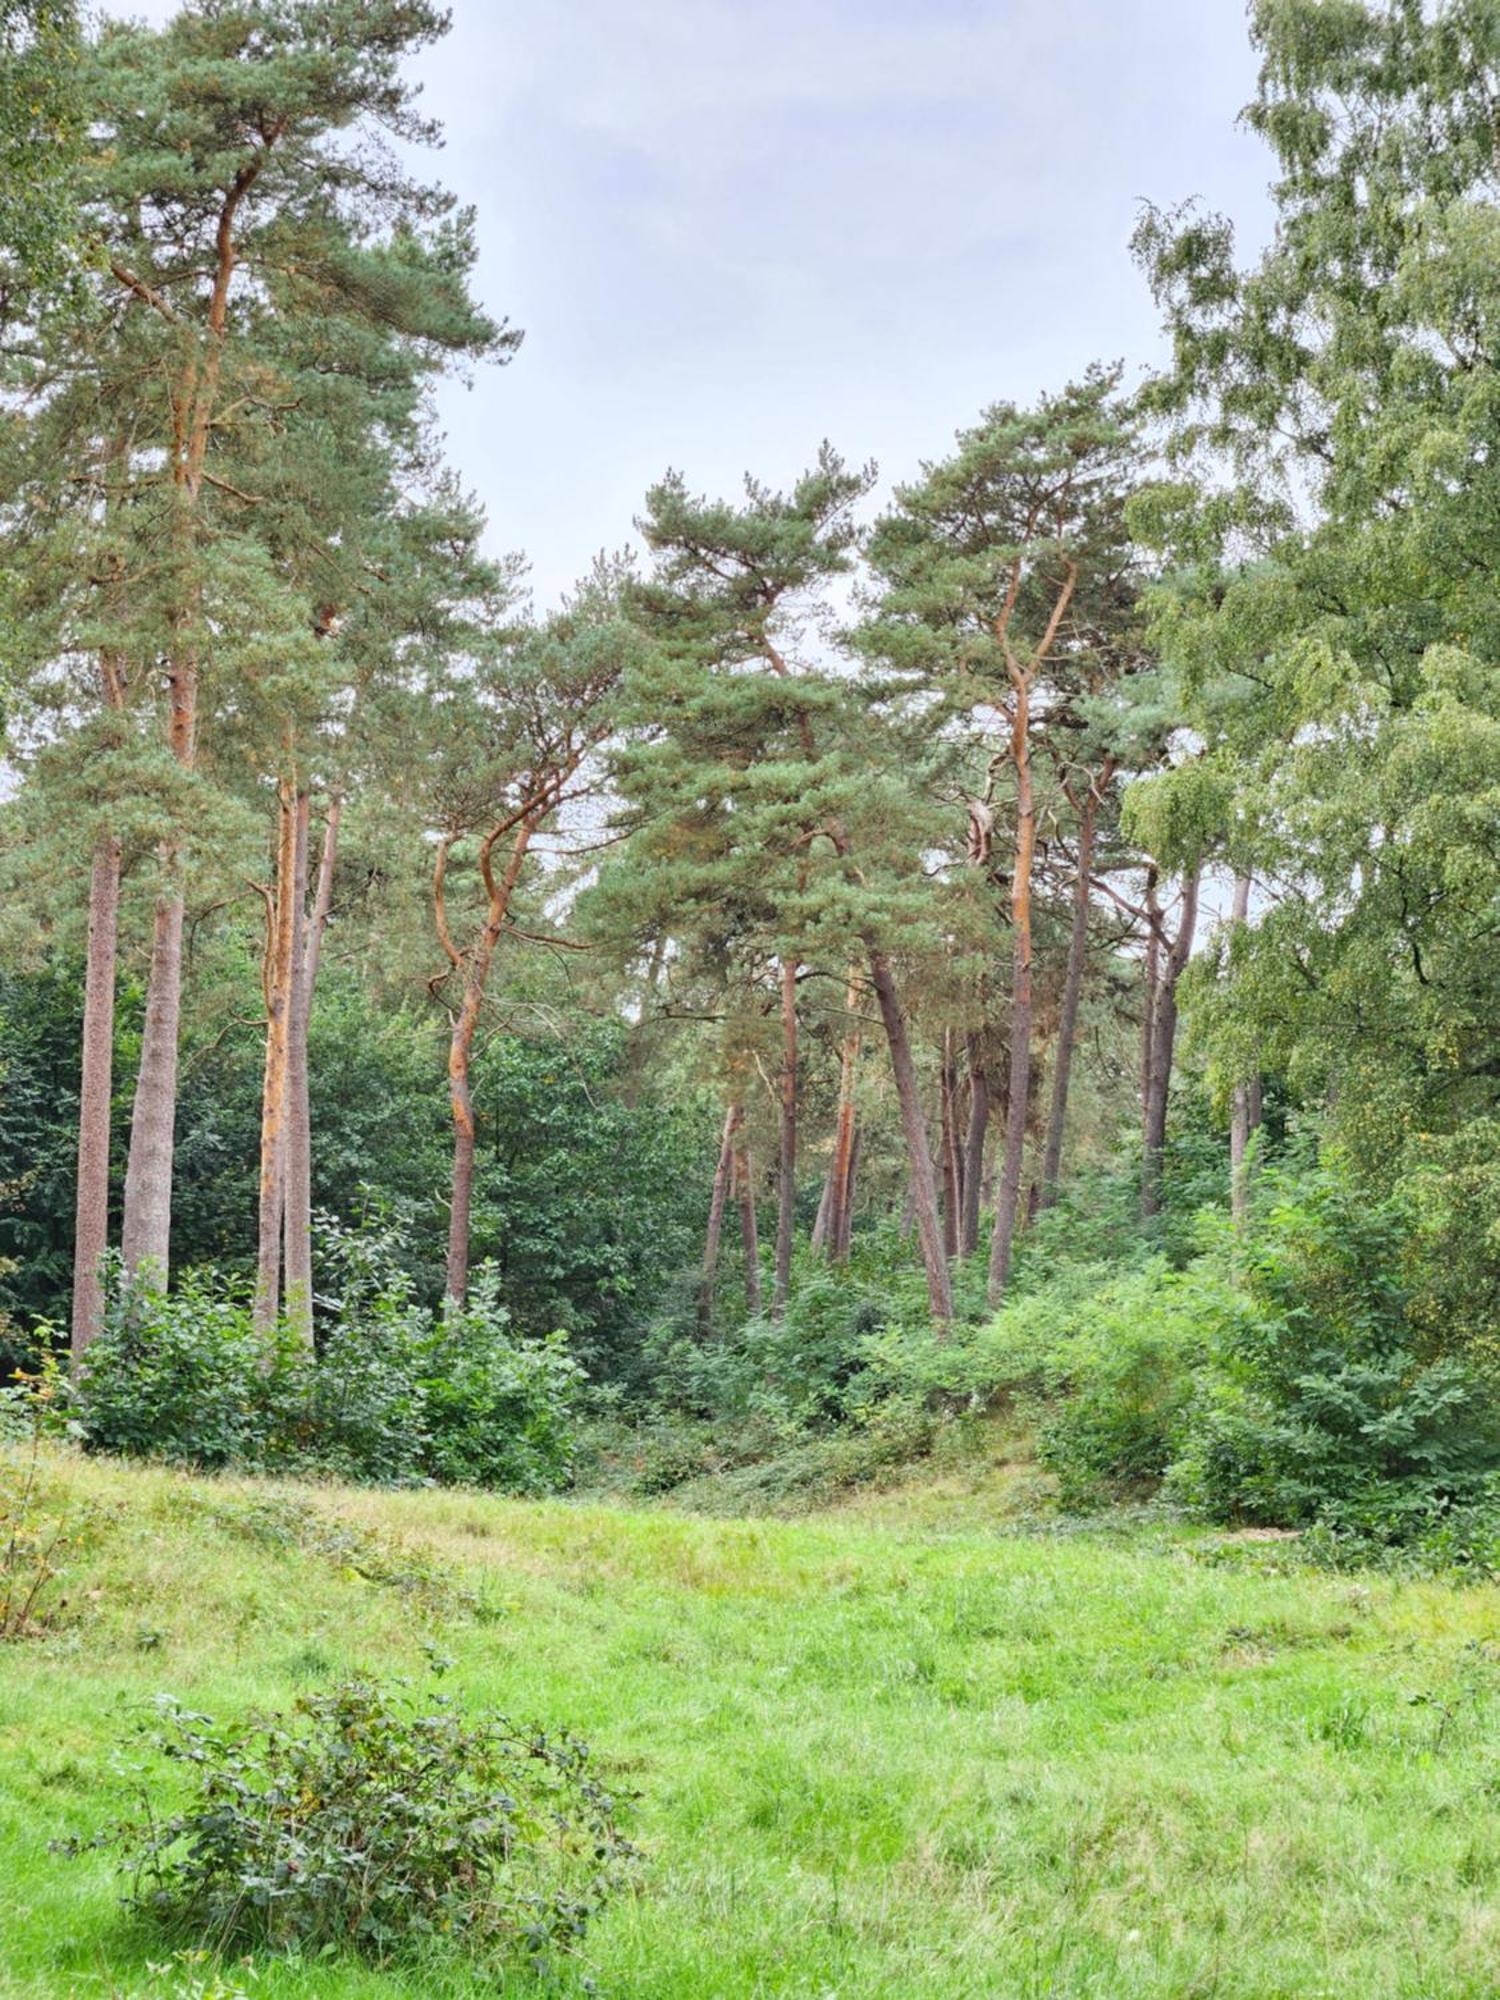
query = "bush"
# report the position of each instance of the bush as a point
(184, 1377)
(396, 1394)
(1102, 1363)
(1327, 1402)
(365, 1821)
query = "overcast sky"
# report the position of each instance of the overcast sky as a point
(731, 228)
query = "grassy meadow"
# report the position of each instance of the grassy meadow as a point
(909, 1748)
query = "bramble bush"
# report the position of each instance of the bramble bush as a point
(368, 1821)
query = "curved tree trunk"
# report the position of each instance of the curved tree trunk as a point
(465, 1023)
(914, 1128)
(839, 1188)
(1007, 1205)
(1067, 1027)
(1163, 1043)
(91, 1229)
(786, 1202)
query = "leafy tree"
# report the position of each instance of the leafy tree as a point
(1350, 372)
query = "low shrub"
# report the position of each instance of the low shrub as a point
(395, 1393)
(368, 1821)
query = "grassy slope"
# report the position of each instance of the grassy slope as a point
(875, 1759)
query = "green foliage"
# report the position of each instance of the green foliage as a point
(1103, 1361)
(589, 1196)
(1327, 1401)
(39, 122)
(396, 1393)
(369, 1821)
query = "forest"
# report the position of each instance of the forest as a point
(960, 999)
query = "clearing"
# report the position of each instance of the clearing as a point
(894, 1751)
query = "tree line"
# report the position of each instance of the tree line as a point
(876, 829)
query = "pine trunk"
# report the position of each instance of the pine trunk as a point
(296, 1200)
(744, 1187)
(974, 1142)
(91, 1230)
(1067, 1027)
(714, 1233)
(846, 1206)
(838, 1190)
(1150, 981)
(281, 932)
(461, 1044)
(948, 1130)
(786, 1202)
(914, 1127)
(1007, 1207)
(146, 1231)
(298, 1233)
(299, 1268)
(820, 1221)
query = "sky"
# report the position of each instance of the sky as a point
(731, 228)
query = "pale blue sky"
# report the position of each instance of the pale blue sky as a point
(732, 227)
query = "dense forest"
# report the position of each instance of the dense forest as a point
(1020, 938)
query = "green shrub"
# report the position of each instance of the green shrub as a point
(395, 1393)
(367, 1821)
(184, 1377)
(1103, 1363)
(1327, 1401)
(498, 1411)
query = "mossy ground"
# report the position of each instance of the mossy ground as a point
(900, 1750)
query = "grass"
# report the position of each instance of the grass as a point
(895, 1751)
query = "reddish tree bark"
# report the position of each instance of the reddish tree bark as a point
(1067, 1026)
(974, 1143)
(786, 1200)
(1022, 675)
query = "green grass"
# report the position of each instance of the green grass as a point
(881, 1753)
